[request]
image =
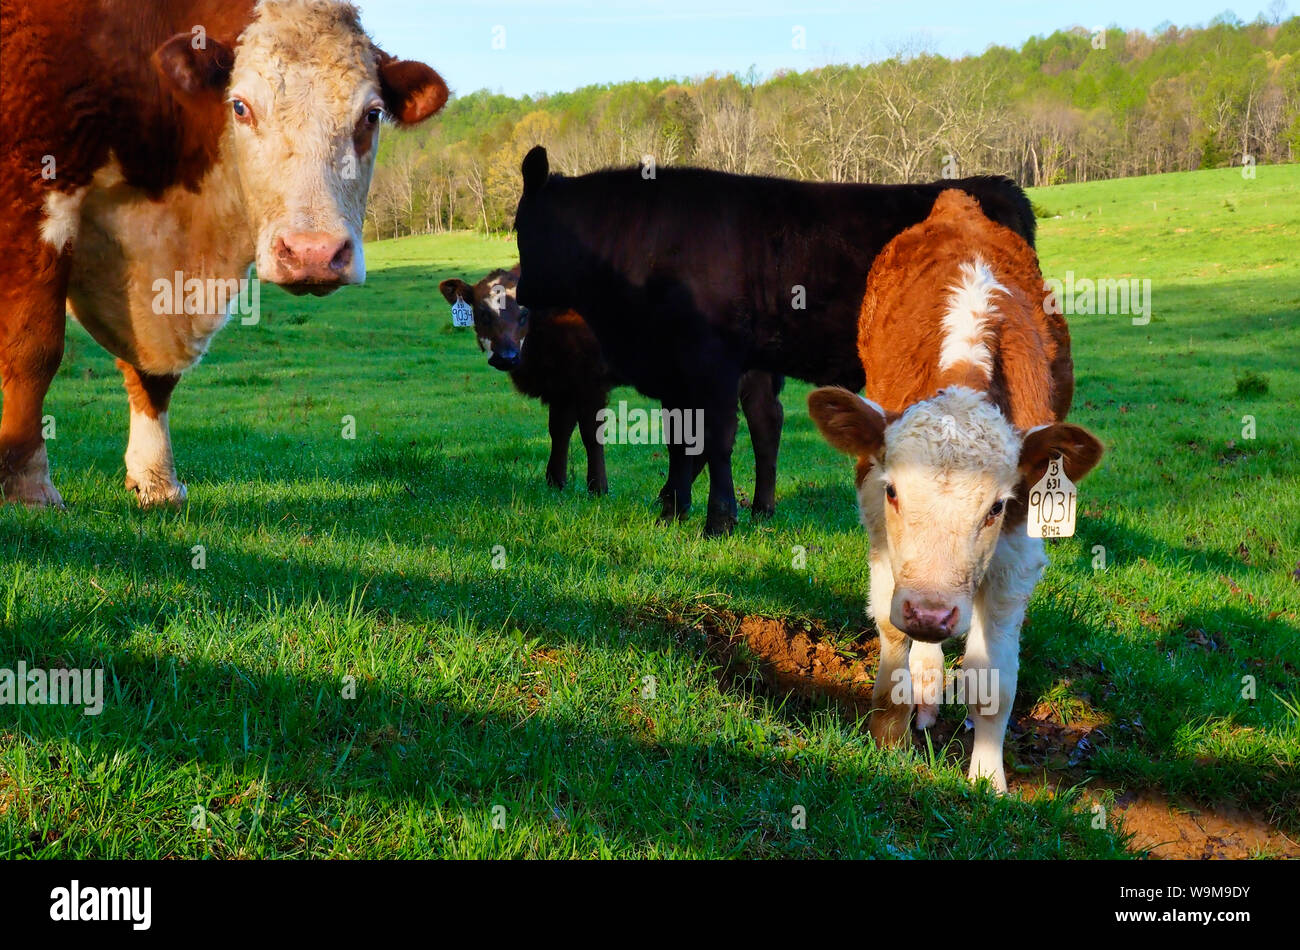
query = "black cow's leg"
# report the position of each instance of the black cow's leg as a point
(719, 438)
(564, 416)
(597, 482)
(760, 398)
(696, 465)
(675, 498)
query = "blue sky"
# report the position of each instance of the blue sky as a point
(556, 46)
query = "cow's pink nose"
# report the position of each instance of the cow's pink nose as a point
(930, 624)
(312, 257)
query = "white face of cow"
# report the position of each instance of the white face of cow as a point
(305, 91)
(934, 486)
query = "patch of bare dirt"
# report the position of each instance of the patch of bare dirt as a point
(1048, 746)
(1180, 831)
(802, 660)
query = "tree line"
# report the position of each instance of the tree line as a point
(1077, 105)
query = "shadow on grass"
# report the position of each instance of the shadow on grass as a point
(284, 764)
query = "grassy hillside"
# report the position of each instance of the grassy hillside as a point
(508, 712)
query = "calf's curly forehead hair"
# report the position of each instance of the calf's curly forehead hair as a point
(956, 429)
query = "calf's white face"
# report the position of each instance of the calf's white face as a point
(934, 488)
(305, 91)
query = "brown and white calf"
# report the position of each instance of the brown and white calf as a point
(968, 384)
(177, 137)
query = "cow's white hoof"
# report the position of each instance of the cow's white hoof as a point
(157, 493)
(31, 485)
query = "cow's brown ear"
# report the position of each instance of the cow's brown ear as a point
(412, 91)
(456, 289)
(194, 66)
(1078, 447)
(847, 421)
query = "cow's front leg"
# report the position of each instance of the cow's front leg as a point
(675, 496)
(891, 696)
(150, 468)
(992, 662)
(718, 439)
(33, 282)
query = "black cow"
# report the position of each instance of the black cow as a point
(689, 278)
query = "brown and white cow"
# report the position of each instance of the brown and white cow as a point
(174, 139)
(968, 384)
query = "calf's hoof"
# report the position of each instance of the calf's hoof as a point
(759, 512)
(597, 486)
(888, 725)
(157, 493)
(995, 773)
(926, 716)
(555, 482)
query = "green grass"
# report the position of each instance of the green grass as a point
(500, 712)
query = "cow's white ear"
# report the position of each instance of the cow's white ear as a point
(192, 72)
(412, 91)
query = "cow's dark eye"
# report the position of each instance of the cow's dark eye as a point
(996, 509)
(891, 493)
(523, 315)
(374, 116)
(241, 108)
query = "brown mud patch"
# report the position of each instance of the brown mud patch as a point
(1048, 748)
(1166, 828)
(802, 659)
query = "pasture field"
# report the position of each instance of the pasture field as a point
(349, 675)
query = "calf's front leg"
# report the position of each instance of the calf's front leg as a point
(597, 480)
(150, 467)
(891, 696)
(563, 417)
(992, 662)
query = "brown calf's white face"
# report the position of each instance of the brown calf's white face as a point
(937, 500)
(934, 487)
(500, 322)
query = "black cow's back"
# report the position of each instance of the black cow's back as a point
(694, 271)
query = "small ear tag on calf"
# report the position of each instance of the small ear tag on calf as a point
(1052, 504)
(462, 314)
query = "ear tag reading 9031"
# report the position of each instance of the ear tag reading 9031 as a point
(1052, 503)
(462, 314)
